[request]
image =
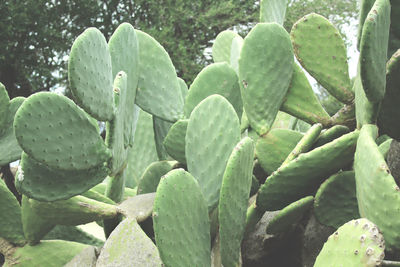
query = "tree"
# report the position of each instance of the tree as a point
(39, 33)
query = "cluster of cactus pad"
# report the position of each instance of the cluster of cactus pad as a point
(246, 168)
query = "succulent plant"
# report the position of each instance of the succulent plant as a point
(247, 155)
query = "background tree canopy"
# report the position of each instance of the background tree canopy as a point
(37, 34)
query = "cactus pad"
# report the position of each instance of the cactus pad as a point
(179, 202)
(212, 132)
(331, 134)
(151, 177)
(389, 111)
(174, 142)
(303, 175)
(236, 47)
(184, 88)
(375, 185)
(290, 216)
(158, 92)
(265, 72)
(54, 131)
(116, 130)
(336, 201)
(128, 244)
(356, 243)
(124, 51)
(233, 201)
(365, 7)
(273, 148)
(273, 11)
(366, 110)
(217, 78)
(373, 50)
(305, 143)
(50, 253)
(321, 51)
(10, 150)
(10, 216)
(4, 106)
(301, 102)
(221, 49)
(90, 74)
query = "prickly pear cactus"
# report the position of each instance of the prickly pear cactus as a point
(356, 243)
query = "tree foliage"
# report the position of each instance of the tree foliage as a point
(37, 34)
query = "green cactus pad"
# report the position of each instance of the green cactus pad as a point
(356, 243)
(54, 131)
(236, 47)
(50, 253)
(365, 7)
(124, 51)
(290, 216)
(265, 72)
(373, 50)
(158, 92)
(274, 147)
(138, 207)
(389, 111)
(95, 195)
(129, 244)
(174, 142)
(40, 182)
(151, 177)
(217, 78)
(10, 150)
(303, 175)
(233, 200)
(184, 88)
(305, 143)
(116, 130)
(4, 106)
(273, 11)
(384, 147)
(10, 216)
(331, 134)
(366, 110)
(321, 51)
(301, 102)
(221, 49)
(375, 185)
(90, 74)
(161, 129)
(143, 151)
(212, 132)
(336, 201)
(179, 202)
(73, 233)
(34, 227)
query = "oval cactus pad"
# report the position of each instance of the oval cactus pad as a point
(321, 51)
(265, 72)
(55, 131)
(180, 203)
(158, 92)
(212, 132)
(356, 243)
(221, 49)
(90, 74)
